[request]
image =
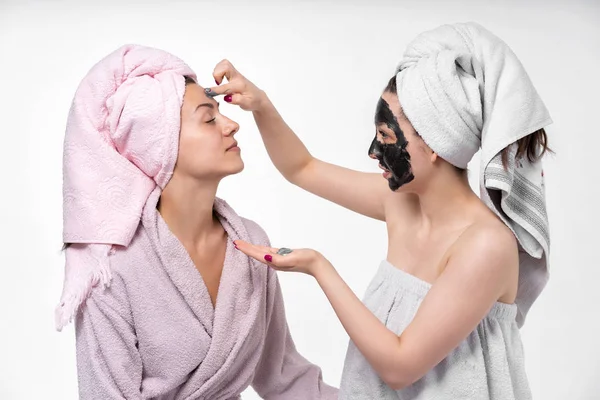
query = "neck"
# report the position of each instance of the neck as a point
(446, 201)
(186, 205)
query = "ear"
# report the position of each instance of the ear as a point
(433, 157)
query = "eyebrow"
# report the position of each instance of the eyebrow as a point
(208, 105)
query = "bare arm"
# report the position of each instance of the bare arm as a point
(476, 275)
(474, 278)
(364, 193)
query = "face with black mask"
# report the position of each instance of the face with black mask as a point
(389, 146)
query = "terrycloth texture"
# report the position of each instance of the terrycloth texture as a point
(154, 332)
(487, 365)
(121, 142)
(463, 89)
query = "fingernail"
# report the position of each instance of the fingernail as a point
(269, 258)
(217, 82)
(227, 98)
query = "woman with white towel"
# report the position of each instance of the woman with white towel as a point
(165, 307)
(441, 318)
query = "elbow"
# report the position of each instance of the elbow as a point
(397, 380)
(404, 369)
(396, 384)
(294, 175)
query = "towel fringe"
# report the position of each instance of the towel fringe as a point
(87, 266)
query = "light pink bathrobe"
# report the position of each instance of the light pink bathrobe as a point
(154, 333)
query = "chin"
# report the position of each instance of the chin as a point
(236, 168)
(402, 184)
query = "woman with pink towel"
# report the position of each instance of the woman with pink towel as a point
(165, 308)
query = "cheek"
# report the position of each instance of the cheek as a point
(198, 150)
(419, 159)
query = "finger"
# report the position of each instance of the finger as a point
(228, 88)
(251, 251)
(235, 98)
(224, 69)
(282, 262)
(265, 249)
(262, 248)
(266, 255)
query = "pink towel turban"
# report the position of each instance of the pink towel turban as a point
(121, 142)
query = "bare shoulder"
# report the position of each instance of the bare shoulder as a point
(487, 253)
(487, 238)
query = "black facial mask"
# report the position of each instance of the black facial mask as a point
(392, 156)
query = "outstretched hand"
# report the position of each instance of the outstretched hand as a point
(307, 261)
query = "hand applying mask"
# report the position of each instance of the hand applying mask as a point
(238, 90)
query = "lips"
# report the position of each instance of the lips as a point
(232, 146)
(386, 172)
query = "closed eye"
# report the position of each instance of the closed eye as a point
(211, 121)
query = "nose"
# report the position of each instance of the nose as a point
(375, 149)
(230, 127)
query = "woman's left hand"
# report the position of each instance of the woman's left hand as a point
(307, 261)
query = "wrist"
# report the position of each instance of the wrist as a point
(263, 103)
(322, 270)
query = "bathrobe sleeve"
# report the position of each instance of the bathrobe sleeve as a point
(282, 373)
(108, 363)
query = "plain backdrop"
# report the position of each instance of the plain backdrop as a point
(324, 64)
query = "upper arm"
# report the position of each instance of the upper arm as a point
(108, 362)
(362, 192)
(476, 275)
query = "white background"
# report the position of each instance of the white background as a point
(324, 65)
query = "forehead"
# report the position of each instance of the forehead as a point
(394, 105)
(194, 95)
(194, 92)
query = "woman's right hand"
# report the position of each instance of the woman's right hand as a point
(238, 90)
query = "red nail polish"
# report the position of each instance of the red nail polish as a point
(227, 98)
(217, 82)
(269, 258)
